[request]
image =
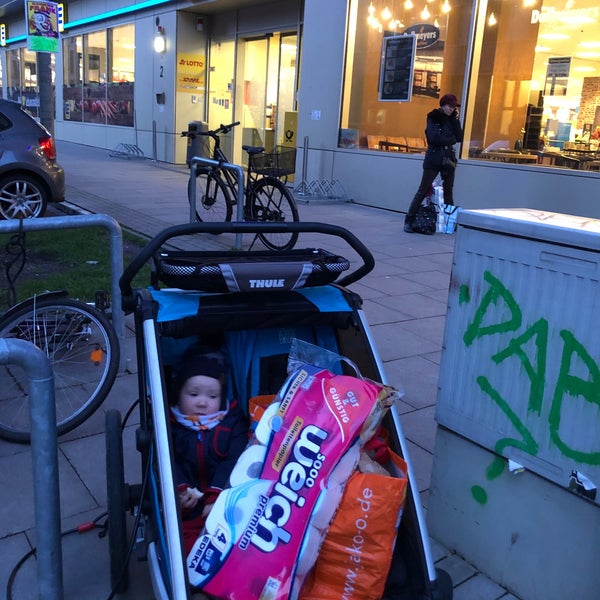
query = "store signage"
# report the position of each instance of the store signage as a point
(559, 66)
(61, 17)
(2, 35)
(557, 76)
(42, 26)
(427, 35)
(190, 73)
(396, 73)
(569, 16)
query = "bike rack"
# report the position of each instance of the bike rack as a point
(44, 450)
(200, 160)
(116, 252)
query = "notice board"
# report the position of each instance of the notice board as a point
(397, 62)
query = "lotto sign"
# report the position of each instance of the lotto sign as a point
(42, 26)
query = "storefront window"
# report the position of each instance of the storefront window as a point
(441, 28)
(21, 79)
(534, 78)
(536, 84)
(99, 77)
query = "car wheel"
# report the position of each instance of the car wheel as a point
(22, 197)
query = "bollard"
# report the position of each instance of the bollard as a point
(44, 450)
(239, 173)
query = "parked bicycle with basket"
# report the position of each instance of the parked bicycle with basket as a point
(267, 199)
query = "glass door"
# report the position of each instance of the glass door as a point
(266, 90)
(220, 90)
(251, 97)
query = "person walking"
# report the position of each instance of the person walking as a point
(442, 131)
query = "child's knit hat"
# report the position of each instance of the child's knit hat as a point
(210, 364)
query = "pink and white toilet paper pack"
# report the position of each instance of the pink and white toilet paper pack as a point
(263, 533)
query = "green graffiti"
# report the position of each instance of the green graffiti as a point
(496, 292)
(573, 393)
(495, 468)
(537, 373)
(528, 443)
(573, 386)
(479, 494)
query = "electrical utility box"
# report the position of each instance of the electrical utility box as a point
(517, 459)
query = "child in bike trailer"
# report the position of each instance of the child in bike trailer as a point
(209, 433)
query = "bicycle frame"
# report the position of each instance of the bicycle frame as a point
(221, 163)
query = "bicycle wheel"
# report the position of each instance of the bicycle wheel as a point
(213, 203)
(83, 350)
(272, 202)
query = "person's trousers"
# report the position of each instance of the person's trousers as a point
(425, 187)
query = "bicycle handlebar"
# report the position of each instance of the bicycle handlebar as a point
(155, 244)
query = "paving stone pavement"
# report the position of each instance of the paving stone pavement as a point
(405, 303)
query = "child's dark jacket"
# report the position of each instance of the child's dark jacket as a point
(205, 459)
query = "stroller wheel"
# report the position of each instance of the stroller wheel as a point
(443, 588)
(115, 497)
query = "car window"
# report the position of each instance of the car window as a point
(4, 122)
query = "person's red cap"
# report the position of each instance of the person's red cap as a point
(449, 99)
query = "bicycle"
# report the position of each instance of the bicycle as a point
(83, 349)
(266, 198)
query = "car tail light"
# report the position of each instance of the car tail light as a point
(47, 145)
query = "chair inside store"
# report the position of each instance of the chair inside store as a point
(374, 141)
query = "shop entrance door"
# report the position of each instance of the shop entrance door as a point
(266, 89)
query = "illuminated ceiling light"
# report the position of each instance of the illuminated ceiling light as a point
(408, 4)
(386, 15)
(436, 23)
(589, 44)
(584, 69)
(492, 20)
(371, 9)
(543, 48)
(425, 14)
(587, 54)
(553, 36)
(528, 3)
(446, 8)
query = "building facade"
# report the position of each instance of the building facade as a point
(342, 82)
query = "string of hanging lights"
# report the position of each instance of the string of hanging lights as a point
(380, 16)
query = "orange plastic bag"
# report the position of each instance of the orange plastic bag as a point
(257, 406)
(356, 554)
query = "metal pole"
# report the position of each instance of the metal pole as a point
(302, 189)
(44, 450)
(116, 251)
(239, 172)
(154, 146)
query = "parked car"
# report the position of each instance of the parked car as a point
(30, 177)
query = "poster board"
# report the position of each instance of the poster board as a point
(42, 26)
(397, 65)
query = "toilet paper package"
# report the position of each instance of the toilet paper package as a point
(264, 532)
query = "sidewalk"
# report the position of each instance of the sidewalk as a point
(405, 304)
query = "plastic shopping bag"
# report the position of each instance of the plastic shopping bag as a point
(355, 557)
(450, 215)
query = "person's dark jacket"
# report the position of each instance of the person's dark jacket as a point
(442, 132)
(206, 463)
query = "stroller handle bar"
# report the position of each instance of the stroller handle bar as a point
(368, 262)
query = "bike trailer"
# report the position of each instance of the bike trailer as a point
(261, 307)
